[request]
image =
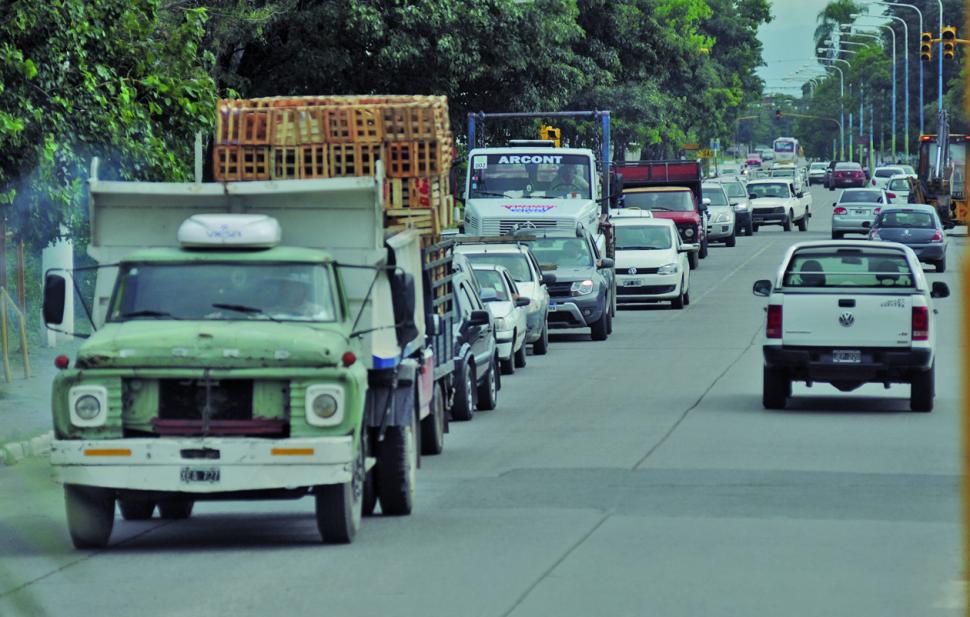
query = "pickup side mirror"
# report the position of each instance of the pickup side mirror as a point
(55, 296)
(548, 278)
(800, 194)
(522, 301)
(607, 262)
(479, 318)
(752, 196)
(939, 290)
(762, 288)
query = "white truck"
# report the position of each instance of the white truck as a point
(849, 313)
(252, 340)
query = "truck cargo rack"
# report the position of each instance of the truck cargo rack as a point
(439, 302)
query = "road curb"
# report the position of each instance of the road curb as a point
(13, 452)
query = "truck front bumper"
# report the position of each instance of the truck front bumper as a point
(203, 465)
(878, 364)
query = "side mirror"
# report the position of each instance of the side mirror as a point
(800, 195)
(752, 196)
(761, 288)
(682, 249)
(939, 290)
(479, 318)
(607, 262)
(55, 296)
(548, 278)
(522, 301)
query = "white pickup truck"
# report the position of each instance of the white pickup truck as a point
(849, 313)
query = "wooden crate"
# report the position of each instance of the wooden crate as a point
(286, 163)
(254, 127)
(425, 221)
(315, 161)
(446, 207)
(367, 127)
(312, 125)
(226, 163)
(227, 125)
(255, 163)
(414, 192)
(285, 126)
(353, 159)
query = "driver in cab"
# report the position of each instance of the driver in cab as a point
(568, 183)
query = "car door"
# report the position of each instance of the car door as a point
(518, 311)
(479, 337)
(543, 295)
(606, 273)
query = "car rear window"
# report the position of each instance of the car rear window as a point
(861, 197)
(849, 267)
(848, 167)
(888, 172)
(899, 184)
(906, 219)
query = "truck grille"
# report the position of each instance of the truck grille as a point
(501, 227)
(778, 210)
(182, 402)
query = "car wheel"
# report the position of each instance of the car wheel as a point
(732, 240)
(786, 225)
(754, 228)
(598, 330)
(433, 427)
(678, 302)
(748, 231)
(508, 366)
(922, 391)
(488, 390)
(609, 324)
(520, 356)
(90, 515)
(776, 387)
(941, 265)
(541, 346)
(692, 260)
(464, 407)
(803, 223)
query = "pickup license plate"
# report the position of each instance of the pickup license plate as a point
(193, 475)
(552, 307)
(846, 356)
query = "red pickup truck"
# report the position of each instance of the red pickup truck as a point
(670, 190)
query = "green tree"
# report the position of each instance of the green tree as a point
(834, 14)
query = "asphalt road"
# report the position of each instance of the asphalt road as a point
(638, 477)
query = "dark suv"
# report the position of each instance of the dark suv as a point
(584, 292)
(476, 374)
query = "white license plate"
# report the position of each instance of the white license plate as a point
(861, 212)
(552, 306)
(846, 356)
(633, 282)
(205, 475)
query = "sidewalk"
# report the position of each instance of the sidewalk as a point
(25, 403)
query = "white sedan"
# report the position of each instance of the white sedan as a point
(501, 296)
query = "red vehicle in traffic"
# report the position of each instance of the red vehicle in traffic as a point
(847, 175)
(670, 190)
(753, 161)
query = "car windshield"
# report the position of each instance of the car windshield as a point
(539, 174)
(851, 267)
(899, 184)
(861, 197)
(642, 238)
(887, 172)
(819, 166)
(516, 263)
(716, 195)
(674, 201)
(782, 173)
(224, 291)
(906, 219)
(908, 170)
(562, 252)
(735, 189)
(491, 280)
(773, 189)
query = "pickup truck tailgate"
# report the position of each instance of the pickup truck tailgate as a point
(847, 320)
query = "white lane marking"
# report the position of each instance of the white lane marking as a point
(954, 596)
(738, 269)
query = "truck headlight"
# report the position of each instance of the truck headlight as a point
(689, 232)
(582, 288)
(88, 405)
(324, 405)
(670, 268)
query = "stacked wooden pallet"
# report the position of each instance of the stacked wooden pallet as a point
(286, 138)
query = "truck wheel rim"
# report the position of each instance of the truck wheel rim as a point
(468, 390)
(357, 484)
(410, 451)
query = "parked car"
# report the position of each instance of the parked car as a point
(508, 309)
(476, 358)
(816, 173)
(721, 220)
(917, 226)
(849, 313)
(855, 211)
(651, 260)
(847, 175)
(737, 193)
(532, 283)
(584, 293)
(775, 202)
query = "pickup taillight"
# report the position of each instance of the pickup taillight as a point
(773, 327)
(921, 323)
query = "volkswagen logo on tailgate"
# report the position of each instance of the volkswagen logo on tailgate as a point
(847, 319)
(631, 271)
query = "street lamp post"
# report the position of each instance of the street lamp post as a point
(922, 125)
(893, 33)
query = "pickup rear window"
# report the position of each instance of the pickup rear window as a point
(817, 268)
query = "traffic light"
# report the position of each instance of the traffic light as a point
(777, 115)
(949, 36)
(550, 133)
(926, 47)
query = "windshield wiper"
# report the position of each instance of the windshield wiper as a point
(149, 313)
(248, 310)
(490, 194)
(637, 248)
(660, 208)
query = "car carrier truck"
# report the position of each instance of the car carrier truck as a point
(253, 340)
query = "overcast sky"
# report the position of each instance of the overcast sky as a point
(788, 38)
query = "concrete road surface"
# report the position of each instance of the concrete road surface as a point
(635, 477)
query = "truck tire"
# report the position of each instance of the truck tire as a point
(732, 240)
(397, 466)
(786, 225)
(541, 346)
(692, 260)
(175, 509)
(433, 427)
(803, 222)
(922, 390)
(464, 406)
(520, 357)
(776, 388)
(90, 515)
(703, 252)
(837, 235)
(488, 390)
(598, 330)
(940, 265)
(136, 509)
(369, 499)
(338, 507)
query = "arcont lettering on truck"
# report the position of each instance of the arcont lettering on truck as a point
(535, 159)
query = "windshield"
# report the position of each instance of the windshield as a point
(908, 170)
(492, 279)
(906, 219)
(887, 172)
(647, 237)
(820, 166)
(899, 184)
(516, 263)
(673, 201)
(861, 197)
(735, 189)
(530, 175)
(774, 189)
(848, 268)
(782, 173)
(563, 252)
(717, 197)
(283, 292)
(784, 146)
